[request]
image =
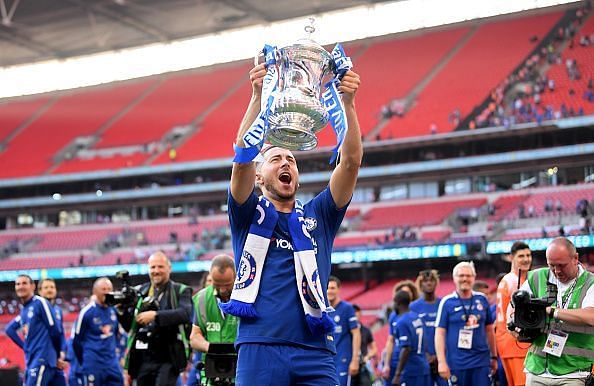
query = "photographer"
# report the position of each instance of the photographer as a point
(210, 324)
(563, 354)
(158, 348)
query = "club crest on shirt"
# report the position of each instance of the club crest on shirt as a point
(247, 270)
(106, 331)
(310, 223)
(30, 312)
(306, 291)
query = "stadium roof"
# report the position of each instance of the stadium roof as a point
(48, 45)
(36, 30)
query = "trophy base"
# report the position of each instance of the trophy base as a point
(290, 131)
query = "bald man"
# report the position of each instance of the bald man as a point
(158, 325)
(565, 353)
(95, 339)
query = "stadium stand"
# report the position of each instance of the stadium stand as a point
(178, 100)
(381, 87)
(566, 196)
(503, 44)
(116, 161)
(216, 133)
(568, 92)
(139, 113)
(423, 212)
(505, 204)
(80, 113)
(15, 114)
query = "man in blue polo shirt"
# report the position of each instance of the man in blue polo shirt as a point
(95, 339)
(464, 337)
(347, 334)
(279, 343)
(413, 368)
(426, 306)
(42, 341)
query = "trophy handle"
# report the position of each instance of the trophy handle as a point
(259, 54)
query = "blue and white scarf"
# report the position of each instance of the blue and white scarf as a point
(253, 257)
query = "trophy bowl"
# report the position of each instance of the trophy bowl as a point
(298, 114)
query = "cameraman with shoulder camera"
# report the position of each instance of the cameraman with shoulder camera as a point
(210, 324)
(158, 348)
(564, 353)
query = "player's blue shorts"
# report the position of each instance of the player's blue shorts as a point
(109, 376)
(284, 365)
(44, 375)
(471, 377)
(342, 371)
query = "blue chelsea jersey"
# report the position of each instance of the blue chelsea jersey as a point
(410, 331)
(95, 337)
(455, 314)
(428, 313)
(42, 334)
(345, 320)
(281, 319)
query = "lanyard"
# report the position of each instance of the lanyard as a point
(567, 295)
(466, 312)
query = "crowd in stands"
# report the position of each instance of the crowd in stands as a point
(519, 98)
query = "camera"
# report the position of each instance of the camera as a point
(220, 365)
(125, 297)
(148, 333)
(530, 313)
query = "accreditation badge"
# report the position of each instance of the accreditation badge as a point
(555, 342)
(465, 338)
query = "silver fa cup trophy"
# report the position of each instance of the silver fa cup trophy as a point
(298, 114)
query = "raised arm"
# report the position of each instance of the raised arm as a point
(243, 175)
(344, 177)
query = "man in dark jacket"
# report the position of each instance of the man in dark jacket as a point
(158, 347)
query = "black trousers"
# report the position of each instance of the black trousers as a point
(157, 374)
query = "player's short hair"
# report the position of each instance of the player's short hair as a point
(26, 276)
(336, 280)
(518, 246)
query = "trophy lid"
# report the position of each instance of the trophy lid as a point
(307, 44)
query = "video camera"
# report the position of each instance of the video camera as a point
(530, 313)
(125, 297)
(220, 365)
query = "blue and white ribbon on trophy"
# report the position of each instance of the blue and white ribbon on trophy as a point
(255, 136)
(332, 100)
